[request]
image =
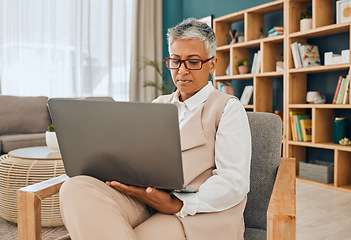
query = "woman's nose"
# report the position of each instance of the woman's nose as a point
(182, 69)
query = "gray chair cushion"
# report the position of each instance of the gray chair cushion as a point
(255, 234)
(11, 142)
(21, 115)
(266, 132)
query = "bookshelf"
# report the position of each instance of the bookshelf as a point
(271, 48)
(296, 81)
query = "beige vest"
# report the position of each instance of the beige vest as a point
(198, 137)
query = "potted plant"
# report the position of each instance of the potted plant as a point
(279, 67)
(163, 87)
(51, 139)
(306, 21)
(243, 66)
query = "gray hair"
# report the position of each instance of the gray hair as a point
(194, 29)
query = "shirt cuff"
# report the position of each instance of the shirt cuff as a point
(190, 204)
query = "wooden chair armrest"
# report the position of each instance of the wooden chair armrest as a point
(29, 206)
(281, 213)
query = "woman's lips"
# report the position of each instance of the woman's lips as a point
(184, 81)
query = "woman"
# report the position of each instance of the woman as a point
(216, 152)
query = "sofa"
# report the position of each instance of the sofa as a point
(24, 121)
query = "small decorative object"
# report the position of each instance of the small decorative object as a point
(243, 66)
(339, 129)
(306, 21)
(315, 97)
(279, 67)
(241, 37)
(331, 59)
(343, 11)
(51, 139)
(246, 95)
(345, 142)
(279, 114)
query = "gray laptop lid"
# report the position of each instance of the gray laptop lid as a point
(134, 143)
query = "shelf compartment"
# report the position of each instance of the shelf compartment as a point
(342, 168)
(322, 13)
(263, 94)
(322, 119)
(224, 59)
(270, 52)
(297, 88)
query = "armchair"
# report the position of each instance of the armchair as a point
(271, 204)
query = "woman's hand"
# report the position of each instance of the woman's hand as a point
(155, 198)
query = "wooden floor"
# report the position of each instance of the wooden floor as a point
(322, 214)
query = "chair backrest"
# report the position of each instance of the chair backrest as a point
(266, 135)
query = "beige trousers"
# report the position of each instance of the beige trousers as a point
(92, 210)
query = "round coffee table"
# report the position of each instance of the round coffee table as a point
(26, 166)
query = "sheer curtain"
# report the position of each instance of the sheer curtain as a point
(65, 48)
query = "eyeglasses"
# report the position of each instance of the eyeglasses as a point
(191, 64)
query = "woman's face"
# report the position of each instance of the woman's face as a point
(188, 81)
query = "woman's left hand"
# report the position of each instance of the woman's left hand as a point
(155, 198)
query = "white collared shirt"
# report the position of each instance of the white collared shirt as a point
(231, 179)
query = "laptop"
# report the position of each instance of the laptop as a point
(134, 143)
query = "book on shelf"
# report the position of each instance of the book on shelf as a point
(246, 95)
(276, 29)
(343, 86)
(225, 87)
(275, 33)
(294, 131)
(256, 62)
(337, 89)
(306, 129)
(305, 55)
(296, 55)
(297, 119)
(309, 55)
(344, 90)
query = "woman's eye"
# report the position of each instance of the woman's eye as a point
(194, 62)
(175, 61)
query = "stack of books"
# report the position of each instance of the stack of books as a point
(341, 95)
(276, 31)
(305, 55)
(301, 126)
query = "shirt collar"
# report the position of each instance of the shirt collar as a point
(198, 98)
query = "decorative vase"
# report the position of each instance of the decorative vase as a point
(243, 69)
(279, 67)
(241, 39)
(51, 141)
(305, 24)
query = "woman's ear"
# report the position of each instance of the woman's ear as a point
(213, 64)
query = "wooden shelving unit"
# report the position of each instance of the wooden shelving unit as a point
(296, 90)
(271, 48)
(295, 81)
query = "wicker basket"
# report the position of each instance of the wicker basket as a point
(16, 173)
